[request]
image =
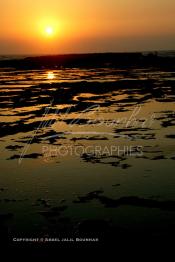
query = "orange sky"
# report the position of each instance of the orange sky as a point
(86, 26)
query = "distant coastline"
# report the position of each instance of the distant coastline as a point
(154, 58)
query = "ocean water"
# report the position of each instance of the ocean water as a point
(83, 146)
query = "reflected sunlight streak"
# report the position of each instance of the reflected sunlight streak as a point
(50, 75)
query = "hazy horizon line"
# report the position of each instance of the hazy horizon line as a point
(81, 53)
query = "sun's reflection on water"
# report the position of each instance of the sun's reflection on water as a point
(50, 75)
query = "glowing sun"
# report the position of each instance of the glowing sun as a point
(49, 31)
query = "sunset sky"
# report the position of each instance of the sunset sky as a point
(76, 26)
